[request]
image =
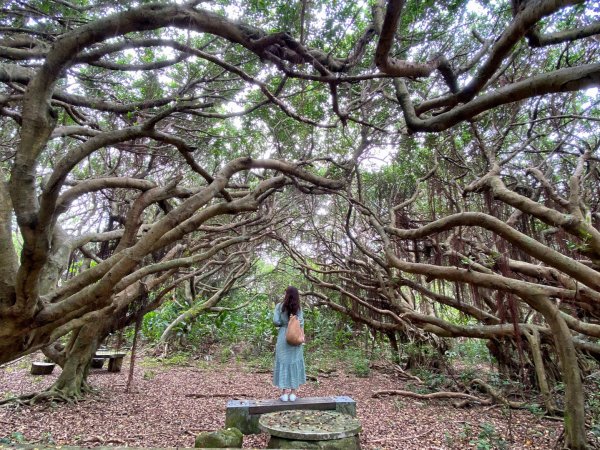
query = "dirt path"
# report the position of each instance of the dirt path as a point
(171, 405)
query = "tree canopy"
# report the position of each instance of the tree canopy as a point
(430, 167)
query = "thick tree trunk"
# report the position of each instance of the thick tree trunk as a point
(72, 382)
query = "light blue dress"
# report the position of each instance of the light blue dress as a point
(289, 372)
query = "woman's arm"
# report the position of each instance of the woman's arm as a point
(277, 315)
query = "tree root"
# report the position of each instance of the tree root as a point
(405, 374)
(18, 401)
(500, 399)
(395, 369)
(463, 398)
(458, 395)
(50, 395)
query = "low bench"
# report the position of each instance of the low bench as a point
(244, 414)
(42, 368)
(115, 360)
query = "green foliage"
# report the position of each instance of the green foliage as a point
(327, 328)
(536, 410)
(225, 354)
(432, 381)
(421, 355)
(323, 357)
(178, 359)
(261, 363)
(466, 432)
(448, 439)
(155, 322)
(149, 375)
(593, 404)
(18, 439)
(17, 241)
(488, 438)
(472, 351)
(15, 438)
(360, 366)
(9, 394)
(498, 380)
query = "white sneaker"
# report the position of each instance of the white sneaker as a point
(293, 397)
(286, 397)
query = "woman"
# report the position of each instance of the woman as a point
(288, 372)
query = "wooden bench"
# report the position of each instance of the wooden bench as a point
(115, 360)
(244, 414)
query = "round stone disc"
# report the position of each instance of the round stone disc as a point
(309, 425)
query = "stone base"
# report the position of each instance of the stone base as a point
(347, 443)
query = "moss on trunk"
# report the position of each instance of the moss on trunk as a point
(72, 382)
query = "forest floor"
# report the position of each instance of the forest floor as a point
(169, 405)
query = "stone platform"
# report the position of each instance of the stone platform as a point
(307, 429)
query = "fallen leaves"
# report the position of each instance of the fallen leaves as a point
(168, 409)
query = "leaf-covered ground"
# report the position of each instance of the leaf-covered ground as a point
(169, 405)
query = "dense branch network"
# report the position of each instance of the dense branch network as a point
(145, 147)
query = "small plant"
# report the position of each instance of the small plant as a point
(15, 438)
(593, 406)
(466, 432)
(47, 439)
(399, 404)
(449, 439)
(467, 375)
(23, 364)
(360, 368)
(357, 361)
(150, 362)
(451, 355)
(536, 410)
(497, 380)
(488, 438)
(178, 359)
(262, 363)
(432, 380)
(203, 364)
(9, 394)
(225, 354)
(149, 374)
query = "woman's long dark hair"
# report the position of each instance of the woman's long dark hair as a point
(291, 302)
